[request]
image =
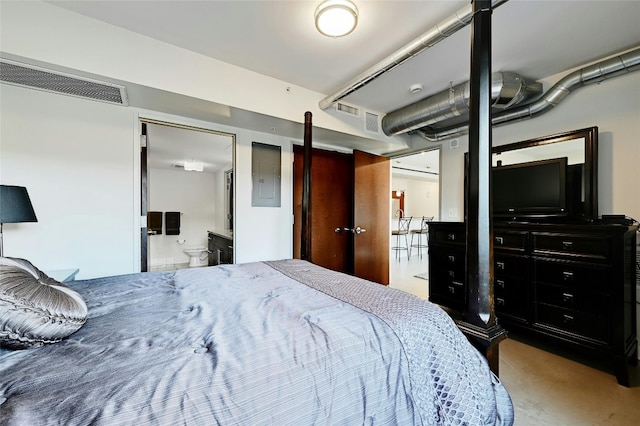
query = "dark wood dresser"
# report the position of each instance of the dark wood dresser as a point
(570, 284)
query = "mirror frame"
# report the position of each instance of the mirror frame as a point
(590, 168)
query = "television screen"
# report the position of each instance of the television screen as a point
(534, 189)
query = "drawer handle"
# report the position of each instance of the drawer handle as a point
(499, 301)
(567, 318)
(567, 275)
(451, 237)
(458, 283)
(500, 283)
(452, 289)
(567, 245)
(452, 274)
(452, 259)
(499, 240)
(567, 297)
(500, 265)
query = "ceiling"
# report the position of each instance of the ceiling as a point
(169, 147)
(534, 38)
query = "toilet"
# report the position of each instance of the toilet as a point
(196, 256)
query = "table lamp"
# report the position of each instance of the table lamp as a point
(15, 207)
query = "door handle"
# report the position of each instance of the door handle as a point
(356, 230)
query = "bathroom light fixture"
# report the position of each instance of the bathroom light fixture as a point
(336, 18)
(15, 207)
(194, 166)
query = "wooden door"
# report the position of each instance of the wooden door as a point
(331, 208)
(371, 210)
(339, 202)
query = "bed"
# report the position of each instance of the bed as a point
(267, 343)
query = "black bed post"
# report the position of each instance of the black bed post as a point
(305, 234)
(478, 320)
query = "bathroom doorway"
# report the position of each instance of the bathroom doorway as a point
(186, 193)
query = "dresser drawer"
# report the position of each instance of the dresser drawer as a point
(572, 298)
(447, 263)
(510, 296)
(593, 248)
(572, 274)
(589, 325)
(510, 266)
(509, 241)
(448, 234)
(451, 293)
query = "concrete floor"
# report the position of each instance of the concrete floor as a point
(546, 387)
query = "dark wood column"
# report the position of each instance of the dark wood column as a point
(305, 246)
(478, 320)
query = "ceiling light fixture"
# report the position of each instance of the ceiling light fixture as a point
(194, 166)
(336, 18)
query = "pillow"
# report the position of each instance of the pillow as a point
(34, 309)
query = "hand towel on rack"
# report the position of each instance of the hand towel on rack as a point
(154, 223)
(172, 223)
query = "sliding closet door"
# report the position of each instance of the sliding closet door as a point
(371, 212)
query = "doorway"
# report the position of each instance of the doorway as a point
(415, 193)
(186, 193)
(348, 212)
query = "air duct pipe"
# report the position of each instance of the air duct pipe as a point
(596, 73)
(444, 29)
(507, 89)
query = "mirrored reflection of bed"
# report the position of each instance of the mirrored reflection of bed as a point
(269, 343)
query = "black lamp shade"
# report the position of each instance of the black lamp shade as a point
(15, 205)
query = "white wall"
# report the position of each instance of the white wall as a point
(194, 195)
(420, 198)
(79, 160)
(76, 159)
(613, 106)
(52, 35)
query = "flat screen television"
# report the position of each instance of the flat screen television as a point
(536, 189)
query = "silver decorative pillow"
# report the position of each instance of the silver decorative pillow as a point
(34, 309)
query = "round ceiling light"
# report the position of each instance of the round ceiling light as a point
(336, 18)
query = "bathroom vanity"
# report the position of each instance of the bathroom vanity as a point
(220, 247)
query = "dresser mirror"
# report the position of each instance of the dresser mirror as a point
(579, 147)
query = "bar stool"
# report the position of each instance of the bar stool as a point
(403, 229)
(424, 230)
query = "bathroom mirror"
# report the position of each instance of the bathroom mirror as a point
(581, 149)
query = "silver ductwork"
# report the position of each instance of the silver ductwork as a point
(507, 89)
(444, 29)
(596, 73)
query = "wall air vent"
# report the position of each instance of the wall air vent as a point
(33, 77)
(348, 109)
(372, 122)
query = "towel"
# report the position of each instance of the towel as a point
(172, 223)
(154, 222)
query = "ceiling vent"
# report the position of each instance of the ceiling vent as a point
(347, 109)
(372, 122)
(67, 84)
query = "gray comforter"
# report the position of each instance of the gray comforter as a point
(274, 343)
